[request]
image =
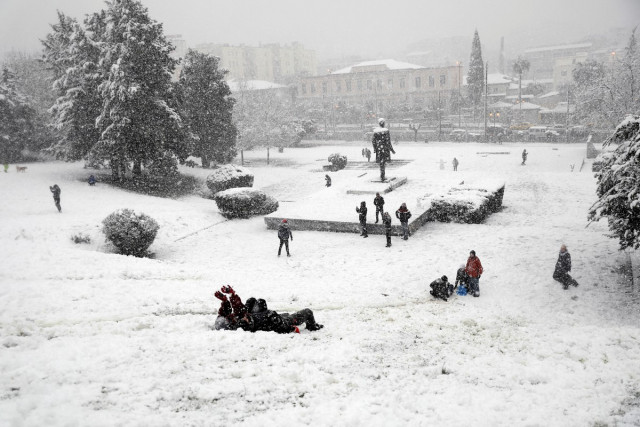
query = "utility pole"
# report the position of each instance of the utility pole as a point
(486, 95)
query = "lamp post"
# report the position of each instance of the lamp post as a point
(459, 64)
(494, 115)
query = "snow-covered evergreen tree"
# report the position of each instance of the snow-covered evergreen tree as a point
(74, 57)
(137, 122)
(16, 119)
(207, 107)
(475, 75)
(619, 185)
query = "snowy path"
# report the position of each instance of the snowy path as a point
(91, 337)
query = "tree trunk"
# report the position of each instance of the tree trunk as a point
(115, 168)
(267, 155)
(242, 157)
(137, 167)
(205, 161)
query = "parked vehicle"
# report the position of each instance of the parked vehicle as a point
(521, 126)
(458, 135)
(537, 133)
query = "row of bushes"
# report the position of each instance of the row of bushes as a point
(466, 205)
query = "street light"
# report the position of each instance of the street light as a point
(459, 64)
(494, 115)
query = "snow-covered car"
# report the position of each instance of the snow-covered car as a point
(458, 135)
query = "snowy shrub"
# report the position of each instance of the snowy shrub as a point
(81, 238)
(131, 233)
(164, 166)
(619, 184)
(244, 202)
(229, 176)
(466, 205)
(338, 161)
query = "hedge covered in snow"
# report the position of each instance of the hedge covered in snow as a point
(470, 205)
(131, 233)
(229, 176)
(244, 203)
(338, 161)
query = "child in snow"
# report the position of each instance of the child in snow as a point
(327, 178)
(461, 280)
(284, 233)
(403, 215)
(386, 220)
(441, 288)
(362, 217)
(563, 267)
(92, 180)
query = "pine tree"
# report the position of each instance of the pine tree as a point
(74, 58)
(137, 122)
(619, 185)
(16, 119)
(207, 107)
(475, 77)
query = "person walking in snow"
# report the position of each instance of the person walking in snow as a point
(327, 178)
(474, 271)
(367, 153)
(563, 267)
(284, 233)
(56, 196)
(362, 217)
(403, 214)
(455, 164)
(524, 156)
(378, 202)
(386, 220)
(381, 142)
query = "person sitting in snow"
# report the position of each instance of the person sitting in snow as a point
(327, 178)
(255, 316)
(563, 267)
(441, 288)
(461, 279)
(92, 180)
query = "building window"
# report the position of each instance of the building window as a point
(360, 85)
(402, 83)
(338, 86)
(304, 88)
(390, 84)
(418, 82)
(348, 83)
(324, 87)
(432, 81)
(369, 85)
(313, 88)
(443, 79)
(379, 84)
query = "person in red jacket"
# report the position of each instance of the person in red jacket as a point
(474, 271)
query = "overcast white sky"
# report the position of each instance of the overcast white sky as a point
(335, 27)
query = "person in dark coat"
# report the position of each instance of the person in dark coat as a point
(386, 220)
(284, 233)
(524, 156)
(441, 288)
(455, 164)
(461, 278)
(474, 271)
(563, 267)
(403, 215)
(56, 196)
(92, 180)
(327, 178)
(381, 142)
(362, 211)
(378, 202)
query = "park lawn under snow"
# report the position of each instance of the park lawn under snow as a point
(89, 337)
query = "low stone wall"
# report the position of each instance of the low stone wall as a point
(334, 226)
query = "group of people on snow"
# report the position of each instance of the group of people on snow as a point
(402, 213)
(467, 280)
(254, 315)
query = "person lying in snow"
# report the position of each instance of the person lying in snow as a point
(255, 316)
(441, 288)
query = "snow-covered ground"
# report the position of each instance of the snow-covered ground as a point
(89, 337)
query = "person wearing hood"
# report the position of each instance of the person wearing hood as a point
(284, 233)
(474, 271)
(362, 211)
(56, 196)
(386, 220)
(403, 215)
(327, 178)
(563, 267)
(441, 288)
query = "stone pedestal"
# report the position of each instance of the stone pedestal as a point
(374, 186)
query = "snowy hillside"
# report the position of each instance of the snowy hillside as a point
(89, 337)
